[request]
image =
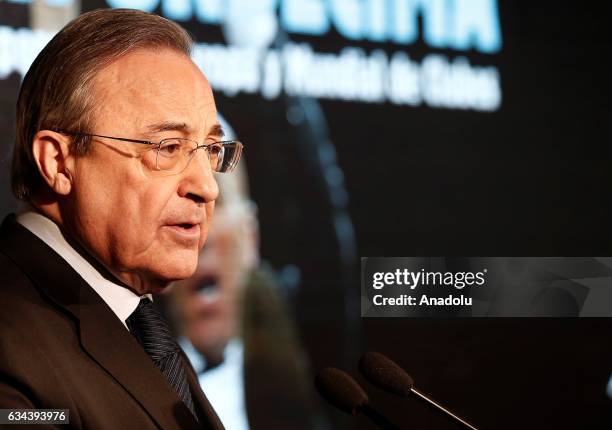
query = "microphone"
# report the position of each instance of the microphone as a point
(342, 391)
(384, 373)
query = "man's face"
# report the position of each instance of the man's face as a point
(145, 225)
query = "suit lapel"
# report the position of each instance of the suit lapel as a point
(108, 342)
(203, 406)
(103, 336)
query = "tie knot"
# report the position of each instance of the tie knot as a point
(152, 331)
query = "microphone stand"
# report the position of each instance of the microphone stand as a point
(448, 413)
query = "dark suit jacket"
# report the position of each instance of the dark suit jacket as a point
(61, 346)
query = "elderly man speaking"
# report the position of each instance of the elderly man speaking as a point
(117, 141)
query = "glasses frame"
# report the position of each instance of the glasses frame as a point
(158, 145)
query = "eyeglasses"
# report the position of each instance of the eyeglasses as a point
(173, 155)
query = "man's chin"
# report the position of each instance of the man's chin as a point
(210, 345)
(180, 266)
(159, 281)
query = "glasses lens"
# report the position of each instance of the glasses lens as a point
(215, 155)
(174, 154)
(227, 156)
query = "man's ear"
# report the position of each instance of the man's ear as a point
(55, 163)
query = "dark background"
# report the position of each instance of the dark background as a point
(531, 179)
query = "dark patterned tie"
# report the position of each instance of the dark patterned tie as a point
(153, 334)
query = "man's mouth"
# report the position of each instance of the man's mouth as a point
(186, 230)
(186, 225)
(208, 289)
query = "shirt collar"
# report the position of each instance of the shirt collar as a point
(120, 299)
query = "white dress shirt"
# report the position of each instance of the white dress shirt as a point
(121, 300)
(223, 384)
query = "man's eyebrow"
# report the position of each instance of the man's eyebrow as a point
(217, 131)
(169, 126)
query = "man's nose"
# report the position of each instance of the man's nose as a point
(198, 182)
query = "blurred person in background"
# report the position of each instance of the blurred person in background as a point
(235, 327)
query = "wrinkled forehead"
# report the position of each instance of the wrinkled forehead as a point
(147, 88)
